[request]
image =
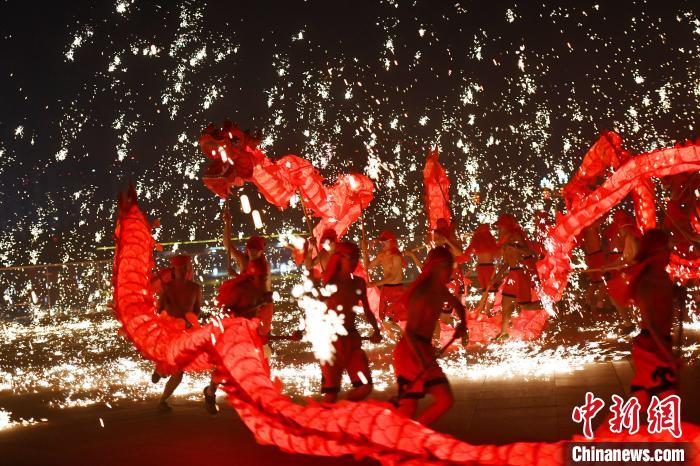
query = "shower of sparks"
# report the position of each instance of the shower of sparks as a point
(6, 421)
(511, 115)
(321, 325)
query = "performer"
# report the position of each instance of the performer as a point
(391, 262)
(254, 256)
(517, 285)
(444, 235)
(651, 289)
(682, 221)
(621, 245)
(349, 355)
(181, 299)
(592, 245)
(319, 263)
(246, 296)
(484, 246)
(415, 364)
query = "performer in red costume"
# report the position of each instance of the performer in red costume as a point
(444, 235)
(318, 263)
(349, 356)
(682, 220)
(651, 290)
(592, 245)
(621, 245)
(181, 298)
(519, 257)
(390, 260)
(248, 294)
(254, 259)
(416, 367)
(485, 247)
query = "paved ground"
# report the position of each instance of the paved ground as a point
(487, 411)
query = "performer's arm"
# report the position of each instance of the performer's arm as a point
(233, 253)
(410, 253)
(309, 260)
(468, 253)
(240, 258)
(461, 328)
(376, 337)
(629, 252)
(454, 249)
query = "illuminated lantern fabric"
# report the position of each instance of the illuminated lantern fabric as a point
(156, 339)
(644, 197)
(236, 159)
(526, 326)
(278, 181)
(684, 270)
(554, 268)
(604, 156)
(344, 203)
(271, 185)
(437, 190)
(233, 348)
(233, 153)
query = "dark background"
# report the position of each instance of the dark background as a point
(630, 66)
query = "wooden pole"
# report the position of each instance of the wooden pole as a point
(308, 226)
(365, 254)
(227, 233)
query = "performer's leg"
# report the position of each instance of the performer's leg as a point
(360, 376)
(408, 407)
(170, 386)
(330, 382)
(332, 373)
(507, 306)
(443, 399)
(211, 388)
(330, 397)
(360, 392)
(625, 318)
(265, 315)
(210, 397)
(383, 304)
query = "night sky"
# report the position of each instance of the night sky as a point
(94, 95)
